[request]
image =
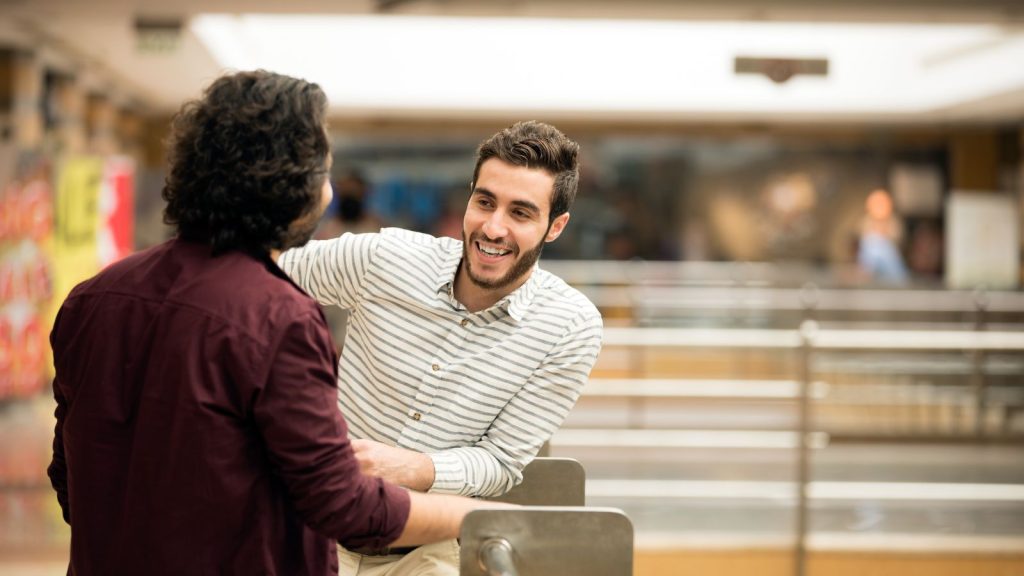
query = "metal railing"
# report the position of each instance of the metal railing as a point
(779, 295)
(806, 342)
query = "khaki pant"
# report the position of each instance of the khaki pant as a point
(437, 559)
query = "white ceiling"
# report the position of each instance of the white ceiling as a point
(959, 62)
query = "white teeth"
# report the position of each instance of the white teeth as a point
(492, 251)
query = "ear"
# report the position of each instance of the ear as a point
(556, 227)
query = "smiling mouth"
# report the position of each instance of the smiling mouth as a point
(491, 251)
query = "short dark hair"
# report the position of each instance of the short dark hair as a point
(246, 160)
(537, 145)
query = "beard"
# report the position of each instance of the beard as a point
(301, 231)
(522, 266)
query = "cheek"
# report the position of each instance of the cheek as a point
(471, 221)
(528, 240)
(326, 194)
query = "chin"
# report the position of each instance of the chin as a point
(488, 280)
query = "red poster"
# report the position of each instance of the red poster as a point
(117, 229)
(26, 225)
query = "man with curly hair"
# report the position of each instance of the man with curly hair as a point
(461, 358)
(197, 426)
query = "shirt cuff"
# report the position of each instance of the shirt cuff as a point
(450, 475)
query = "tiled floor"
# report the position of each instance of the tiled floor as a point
(27, 568)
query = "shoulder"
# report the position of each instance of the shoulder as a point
(401, 236)
(266, 283)
(255, 298)
(554, 293)
(409, 246)
(115, 274)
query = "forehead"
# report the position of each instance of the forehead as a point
(511, 183)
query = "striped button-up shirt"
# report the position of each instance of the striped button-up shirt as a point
(478, 392)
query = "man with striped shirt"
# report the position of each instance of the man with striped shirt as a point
(461, 358)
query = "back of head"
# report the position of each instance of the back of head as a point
(535, 144)
(247, 160)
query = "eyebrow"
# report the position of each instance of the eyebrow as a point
(520, 203)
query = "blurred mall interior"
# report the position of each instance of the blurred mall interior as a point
(801, 220)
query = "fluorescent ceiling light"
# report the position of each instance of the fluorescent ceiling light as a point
(424, 63)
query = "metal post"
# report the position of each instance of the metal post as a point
(635, 405)
(496, 558)
(807, 332)
(978, 383)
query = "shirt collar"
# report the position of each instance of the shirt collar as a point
(516, 303)
(445, 281)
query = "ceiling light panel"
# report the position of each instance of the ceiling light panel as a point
(423, 63)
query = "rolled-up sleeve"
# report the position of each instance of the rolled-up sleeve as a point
(494, 464)
(307, 441)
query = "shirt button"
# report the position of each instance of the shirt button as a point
(465, 322)
(435, 367)
(416, 416)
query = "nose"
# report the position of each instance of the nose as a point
(494, 227)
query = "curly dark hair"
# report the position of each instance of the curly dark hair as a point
(246, 161)
(537, 145)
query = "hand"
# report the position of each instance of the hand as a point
(408, 468)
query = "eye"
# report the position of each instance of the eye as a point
(484, 202)
(519, 213)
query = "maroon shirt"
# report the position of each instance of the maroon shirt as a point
(198, 429)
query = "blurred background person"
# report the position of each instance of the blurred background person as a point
(348, 212)
(878, 250)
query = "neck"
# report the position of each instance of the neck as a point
(476, 298)
(275, 254)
